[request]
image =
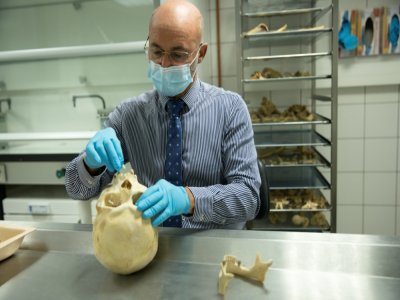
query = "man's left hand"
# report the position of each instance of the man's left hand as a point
(162, 201)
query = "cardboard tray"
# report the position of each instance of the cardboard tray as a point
(11, 239)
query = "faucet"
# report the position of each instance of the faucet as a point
(74, 98)
(6, 100)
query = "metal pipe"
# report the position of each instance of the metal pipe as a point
(43, 3)
(334, 113)
(6, 100)
(71, 52)
(74, 98)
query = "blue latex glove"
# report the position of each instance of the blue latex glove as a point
(347, 40)
(104, 149)
(162, 201)
(394, 32)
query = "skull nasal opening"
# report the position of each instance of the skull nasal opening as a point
(126, 185)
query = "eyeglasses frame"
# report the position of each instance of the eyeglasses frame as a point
(146, 48)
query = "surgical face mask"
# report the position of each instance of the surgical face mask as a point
(171, 81)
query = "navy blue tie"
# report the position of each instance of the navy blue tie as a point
(173, 160)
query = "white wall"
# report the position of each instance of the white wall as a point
(368, 129)
(41, 91)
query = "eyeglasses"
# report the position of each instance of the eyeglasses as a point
(176, 56)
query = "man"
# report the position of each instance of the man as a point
(190, 142)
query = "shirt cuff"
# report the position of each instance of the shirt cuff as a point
(203, 206)
(88, 180)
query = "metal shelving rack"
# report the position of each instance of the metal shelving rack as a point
(309, 41)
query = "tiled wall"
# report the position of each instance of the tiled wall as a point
(368, 143)
(368, 130)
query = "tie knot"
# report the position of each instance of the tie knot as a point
(175, 107)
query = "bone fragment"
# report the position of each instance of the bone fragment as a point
(310, 205)
(259, 28)
(223, 279)
(300, 220)
(283, 28)
(230, 266)
(256, 272)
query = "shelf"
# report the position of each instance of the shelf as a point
(298, 201)
(42, 146)
(286, 56)
(288, 33)
(46, 136)
(285, 160)
(262, 89)
(282, 79)
(283, 222)
(296, 11)
(296, 178)
(322, 98)
(300, 210)
(318, 120)
(305, 44)
(284, 38)
(43, 150)
(289, 139)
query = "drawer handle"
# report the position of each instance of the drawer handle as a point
(60, 173)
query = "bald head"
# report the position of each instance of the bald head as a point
(180, 17)
(177, 25)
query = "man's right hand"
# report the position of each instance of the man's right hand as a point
(104, 149)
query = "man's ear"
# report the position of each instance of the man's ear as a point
(202, 52)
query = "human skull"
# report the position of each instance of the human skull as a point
(123, 241)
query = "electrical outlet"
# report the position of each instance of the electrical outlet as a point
(3, 177)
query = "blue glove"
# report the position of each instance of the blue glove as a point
(104, 149)
(163, 200)
(393, 32)
(347, 40)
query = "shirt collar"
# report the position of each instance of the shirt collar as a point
(189, 98)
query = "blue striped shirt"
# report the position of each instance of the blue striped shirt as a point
(219, 159)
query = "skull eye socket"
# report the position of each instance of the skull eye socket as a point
(136, 196)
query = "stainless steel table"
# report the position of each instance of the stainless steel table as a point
(57, 262)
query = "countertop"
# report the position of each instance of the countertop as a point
(43, 146)
(57, 262)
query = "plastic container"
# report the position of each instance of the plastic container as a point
(11, 239)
